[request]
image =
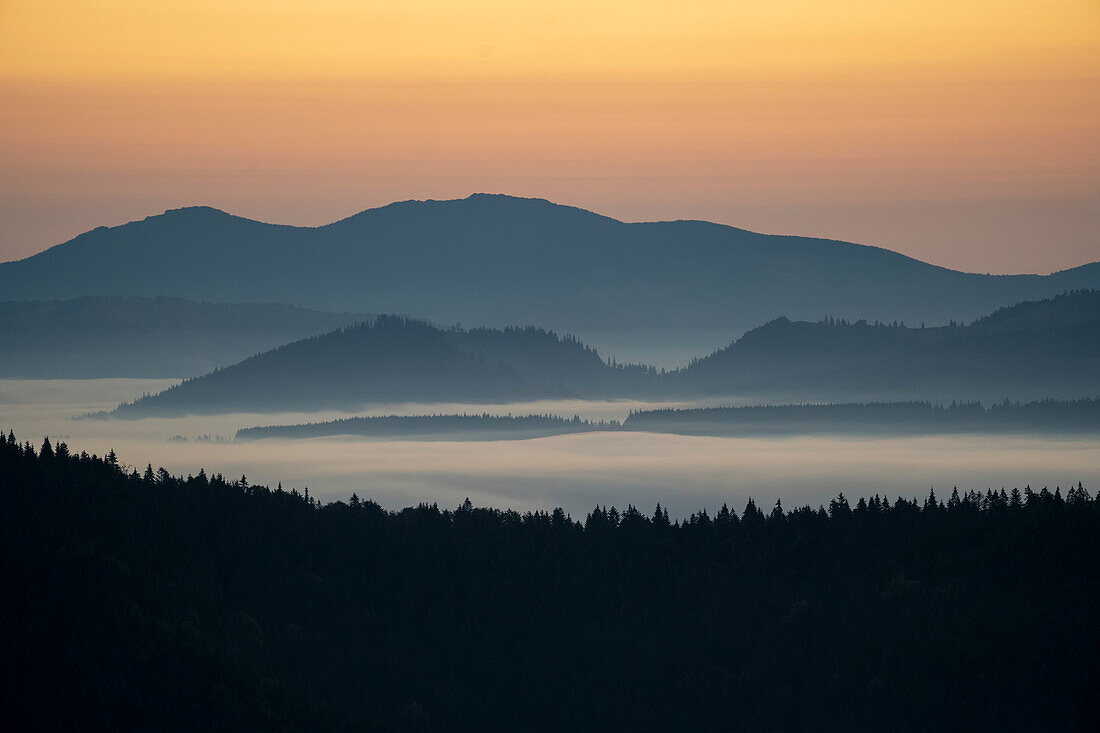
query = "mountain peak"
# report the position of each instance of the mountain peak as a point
(491, 204)
(192, 212)
(201, 215)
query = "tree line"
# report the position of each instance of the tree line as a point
(1042, 416)
(142, 600)
(484, 425)
(1039, 416)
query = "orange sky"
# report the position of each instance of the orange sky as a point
(965, 133)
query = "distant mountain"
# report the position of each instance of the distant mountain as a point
(1033, 350)
(654, 292)
(1048, 348)
(145, 337)
(393, 359)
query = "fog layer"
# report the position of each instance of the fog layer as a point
(575, 472)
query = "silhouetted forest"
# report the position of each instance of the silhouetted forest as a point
(139, 600)
(1044, 416)
(451, 427)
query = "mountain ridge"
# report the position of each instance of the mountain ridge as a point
(393, 359)
(197, 209)
(658, 292)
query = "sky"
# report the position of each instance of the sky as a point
(961, 132)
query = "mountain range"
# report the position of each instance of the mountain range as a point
(1032, 350)
(657, 292)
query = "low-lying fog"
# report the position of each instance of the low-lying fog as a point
(572, 471)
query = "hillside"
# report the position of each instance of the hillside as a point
(95, 337)
(653, 292)
(393, 359)
(1033, 350)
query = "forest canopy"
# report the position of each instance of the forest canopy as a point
(139, 599)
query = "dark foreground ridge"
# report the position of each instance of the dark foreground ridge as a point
(154, 602)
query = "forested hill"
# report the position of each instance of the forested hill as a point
(153, 602)
(1076, 308)
(1033, 350)
(654, 292)
(393, 359)
(96, 337)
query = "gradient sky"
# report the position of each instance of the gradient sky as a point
(966, 133)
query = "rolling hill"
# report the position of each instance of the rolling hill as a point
(654, 292)
(394, 359)
(1033, 350)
